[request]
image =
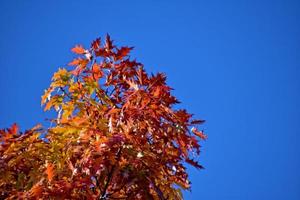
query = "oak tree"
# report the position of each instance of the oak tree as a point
(117, 134)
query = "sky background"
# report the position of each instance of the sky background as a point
(235, 64)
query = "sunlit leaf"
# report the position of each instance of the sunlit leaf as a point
(78, 49)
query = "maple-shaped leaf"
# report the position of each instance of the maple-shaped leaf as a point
(122, 52)
(78, 49)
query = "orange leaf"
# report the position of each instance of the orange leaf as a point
(97, 72)
(78, 49)
(49, 104)
(50, 171)
(157, 92)
(75, 62)
(199, 133)
(47, 95)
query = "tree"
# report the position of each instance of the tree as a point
(116, 135)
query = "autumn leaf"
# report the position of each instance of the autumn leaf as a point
(49, 171)
(47, 95)
(157, 92)
(75, 62)
(96, 44)
(115, 134)
(13, 130)
(122, 52)
(199, 133)
(61, 74)
(78, 49)
(96, 71)
(108, 43)
(142, 76)
(132, 84)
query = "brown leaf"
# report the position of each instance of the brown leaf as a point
(197, 121)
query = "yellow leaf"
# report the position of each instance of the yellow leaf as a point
(68, 110)
(61, 74)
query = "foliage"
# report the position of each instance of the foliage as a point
(116, 135)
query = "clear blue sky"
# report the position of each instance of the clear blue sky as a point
(234, 63)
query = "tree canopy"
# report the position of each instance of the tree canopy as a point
(117, 134)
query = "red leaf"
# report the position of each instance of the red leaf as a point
(108, 43)
(96, 44)
(13, 129)
(121, 53)
(142, 76)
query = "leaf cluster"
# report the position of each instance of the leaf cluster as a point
(116, 134)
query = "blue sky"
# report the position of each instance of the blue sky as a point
(235, 64)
